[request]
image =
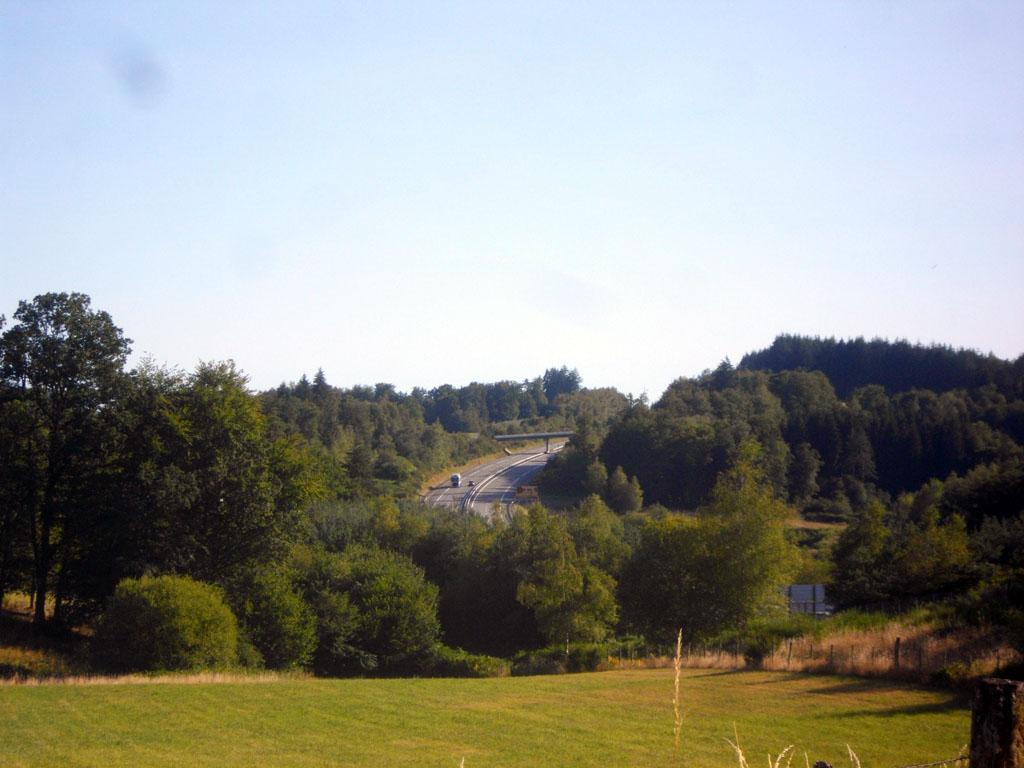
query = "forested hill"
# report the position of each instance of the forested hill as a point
(829, 454)
(898, 366)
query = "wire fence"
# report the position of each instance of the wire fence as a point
(964, 654)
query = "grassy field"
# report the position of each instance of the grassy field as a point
(606, 719)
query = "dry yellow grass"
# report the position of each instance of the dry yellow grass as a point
(23, 653)
(677, 704)
(924, 650)
(177, 678)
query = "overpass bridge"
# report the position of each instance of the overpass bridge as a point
(545, 436)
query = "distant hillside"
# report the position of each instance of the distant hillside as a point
(896, 365)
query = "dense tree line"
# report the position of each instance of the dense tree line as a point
(109, 473)
(135, 488)
(896, 366)
(387, 440)
(291, 515)
(932, 482)
(825, 454)
(536, 578)
(386, 420)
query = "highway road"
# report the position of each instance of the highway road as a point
(493, 483)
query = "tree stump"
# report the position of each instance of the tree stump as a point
(997, 724)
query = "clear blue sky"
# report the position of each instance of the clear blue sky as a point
(423, 193)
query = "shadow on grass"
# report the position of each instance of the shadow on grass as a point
(951, 701)
(30, 651)
(859, 685)
(944, 707)
(714, 673)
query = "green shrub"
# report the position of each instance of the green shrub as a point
(248, 655)
(760, 638)
(585, 657)
(538, 663)
(443, 661)
(397, 606)
(957, 676)
(997, 601)
(756, 648)
(275, 620)
(375, 610)
(557, 659)
(165, 623)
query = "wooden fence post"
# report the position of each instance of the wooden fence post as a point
(997, 724)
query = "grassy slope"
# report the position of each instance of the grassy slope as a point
(606, 719)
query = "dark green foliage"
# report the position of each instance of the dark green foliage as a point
(475, 602)
(837, 510)
(998, 544)
(987, 491)
(61, 370)
(623, 494)
(106, 475)
(274, 619)
(165, 623)
(577, 657)
(576, 470)
(999, 601)
(861, 576)
(508, 586)
(818, 447)
(557, 659)
(568, 598)
(599, 535)
(210, 494)
(710, 572)
(443, 661)
(887, 557)
(397, 606)
(561, 381)
(374, 609)
(677, 449)
(322, 578)
(898, 366)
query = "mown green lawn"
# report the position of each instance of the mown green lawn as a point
(607, 719)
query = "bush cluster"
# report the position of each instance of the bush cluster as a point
(443, 661)
(557, 659)
(165, 623)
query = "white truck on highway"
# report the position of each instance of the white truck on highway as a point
(456, 480)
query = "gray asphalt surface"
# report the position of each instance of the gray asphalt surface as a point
(494, 483)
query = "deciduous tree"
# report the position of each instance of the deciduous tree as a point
(62, 368)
